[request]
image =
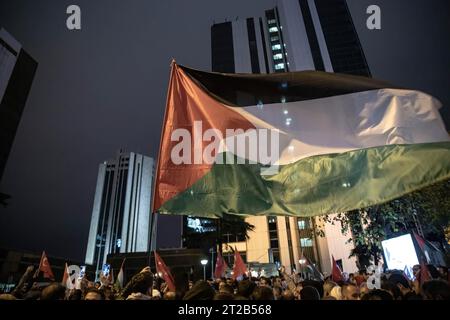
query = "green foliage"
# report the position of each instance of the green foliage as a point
(235, 225)
(430, 207)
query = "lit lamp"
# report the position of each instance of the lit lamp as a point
(204, 262)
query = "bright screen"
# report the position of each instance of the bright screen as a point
(198, 225)
(400, 253)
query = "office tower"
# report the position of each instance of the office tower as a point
(296, 35)
(121, 216)
(17, 69)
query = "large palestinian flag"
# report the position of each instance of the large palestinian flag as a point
(342, 142)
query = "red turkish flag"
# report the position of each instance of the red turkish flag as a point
(336, 273)
(239, 266)
(221, 266)
(165, 272)
(44, 266)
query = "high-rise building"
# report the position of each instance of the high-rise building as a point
(121, 216)
(17, 69)
(296, 35)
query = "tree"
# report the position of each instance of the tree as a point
(427, 209)
(233, 225)
(227, 227)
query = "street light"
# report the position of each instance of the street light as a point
(204, 262)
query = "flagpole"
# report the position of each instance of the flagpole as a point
(156, 180)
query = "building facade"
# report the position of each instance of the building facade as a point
(296, 35)
(17, 70)
(121, 216)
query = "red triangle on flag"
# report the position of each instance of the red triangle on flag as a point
(221, 266)
(336, 272)
(165, 272)
(45, 268)
(239, 266)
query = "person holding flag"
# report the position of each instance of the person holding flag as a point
(164, 272)
(221, 267)
(336, 272)
(308, 265)
(45, 268)
(239, 268)
(66, 281)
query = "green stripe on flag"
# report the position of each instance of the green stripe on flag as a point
(316, 185)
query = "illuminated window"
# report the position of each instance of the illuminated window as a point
(279, 66)
(306, 242)
(274, 38)
(277, 56)
(273, 29)
(276, 47)
(301, 224)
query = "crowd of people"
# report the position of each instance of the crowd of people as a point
(393, 285)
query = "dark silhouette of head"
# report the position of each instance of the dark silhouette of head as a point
(316, 284)
(140, 283)
(245, 288)
(436, 290)
(392, 288)
(54, 291)
(377, 294)
(309, 293)
(94, 294)
(201, 290)
(262, 293)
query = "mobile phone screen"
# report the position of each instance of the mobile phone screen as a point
(106, 268)
(82, 271)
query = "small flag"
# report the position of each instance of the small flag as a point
(165, 272)
(44, 266)
(221, 266)
(336, 272)
(66, 278)
(119, 279)
(239, 266)
(421, 242)
(317, 274)
(407, 273)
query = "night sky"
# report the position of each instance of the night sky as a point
(104, 87)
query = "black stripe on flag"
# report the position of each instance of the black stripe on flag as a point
(252, 89)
